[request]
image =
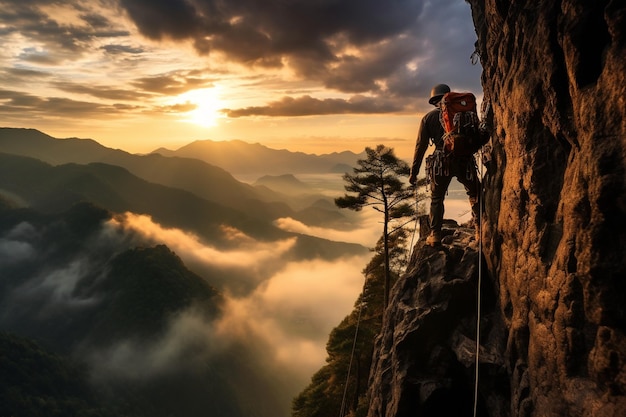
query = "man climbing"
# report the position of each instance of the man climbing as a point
(441, 167)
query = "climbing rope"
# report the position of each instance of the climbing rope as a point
(408, 261)
(480, 263)
(345, 388)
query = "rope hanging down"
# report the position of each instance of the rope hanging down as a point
(480, 263)
(408, 260)
(481, 201)
(345, 388)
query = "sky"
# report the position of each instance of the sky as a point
(306, 75)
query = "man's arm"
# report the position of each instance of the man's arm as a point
(420, 149)
(424, 134)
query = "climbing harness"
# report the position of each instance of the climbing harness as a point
(437, 164)
(342, 410)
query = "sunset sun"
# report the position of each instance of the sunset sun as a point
(207, 106)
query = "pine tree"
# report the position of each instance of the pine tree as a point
(377, 181)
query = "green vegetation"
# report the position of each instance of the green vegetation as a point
(377, 182)
(144, 288)
(35, 382)
(340, 387)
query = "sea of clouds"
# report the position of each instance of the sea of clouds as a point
(278, 311)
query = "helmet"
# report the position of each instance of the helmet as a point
(437, 92)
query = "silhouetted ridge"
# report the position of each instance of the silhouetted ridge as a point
(57, 188)
(145, 286)
(243, 158)
(206, 180)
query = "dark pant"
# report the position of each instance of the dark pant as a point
(465, 172)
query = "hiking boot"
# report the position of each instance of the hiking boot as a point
(434, 238)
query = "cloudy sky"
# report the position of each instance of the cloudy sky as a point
(310, 75)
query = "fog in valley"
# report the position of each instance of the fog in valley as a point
(276, 317)
(274, 320)
(284, 308)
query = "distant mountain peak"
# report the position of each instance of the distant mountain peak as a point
(244, 158)
(285, 183)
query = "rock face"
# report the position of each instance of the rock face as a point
(425, 361)
(553, 321)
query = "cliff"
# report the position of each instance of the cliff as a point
(553, 273)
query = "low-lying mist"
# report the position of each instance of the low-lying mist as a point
(271, 331)
(290, 306)
(276, 311)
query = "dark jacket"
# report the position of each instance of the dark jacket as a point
(430, 129)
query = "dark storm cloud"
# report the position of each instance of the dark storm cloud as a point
(25, 106)
(96, 21)
(176, 83)
(26, 101)
(121, 49)
(265, 32)
(34, 56)
(102, 91)
(308, 106)
(17, 76)
(64, 106)
(275, 26)
(16, 102)
(394, 50)
(310, 37)
(61, 40)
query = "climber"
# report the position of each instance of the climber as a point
(441, 167)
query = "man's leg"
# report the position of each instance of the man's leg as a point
(472, 188)
(438, 187)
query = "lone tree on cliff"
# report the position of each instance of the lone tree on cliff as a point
(377, 182)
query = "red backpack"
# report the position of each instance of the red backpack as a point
(460, 122)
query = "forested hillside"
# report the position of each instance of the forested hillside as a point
(130, 290)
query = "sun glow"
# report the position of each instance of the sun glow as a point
(207, 106)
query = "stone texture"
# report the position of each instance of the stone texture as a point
(554, 331)
(425, 357)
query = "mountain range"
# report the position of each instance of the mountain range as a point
(89, 292)
(200, 178)
(242, 158)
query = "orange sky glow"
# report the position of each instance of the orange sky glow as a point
(315, 77)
